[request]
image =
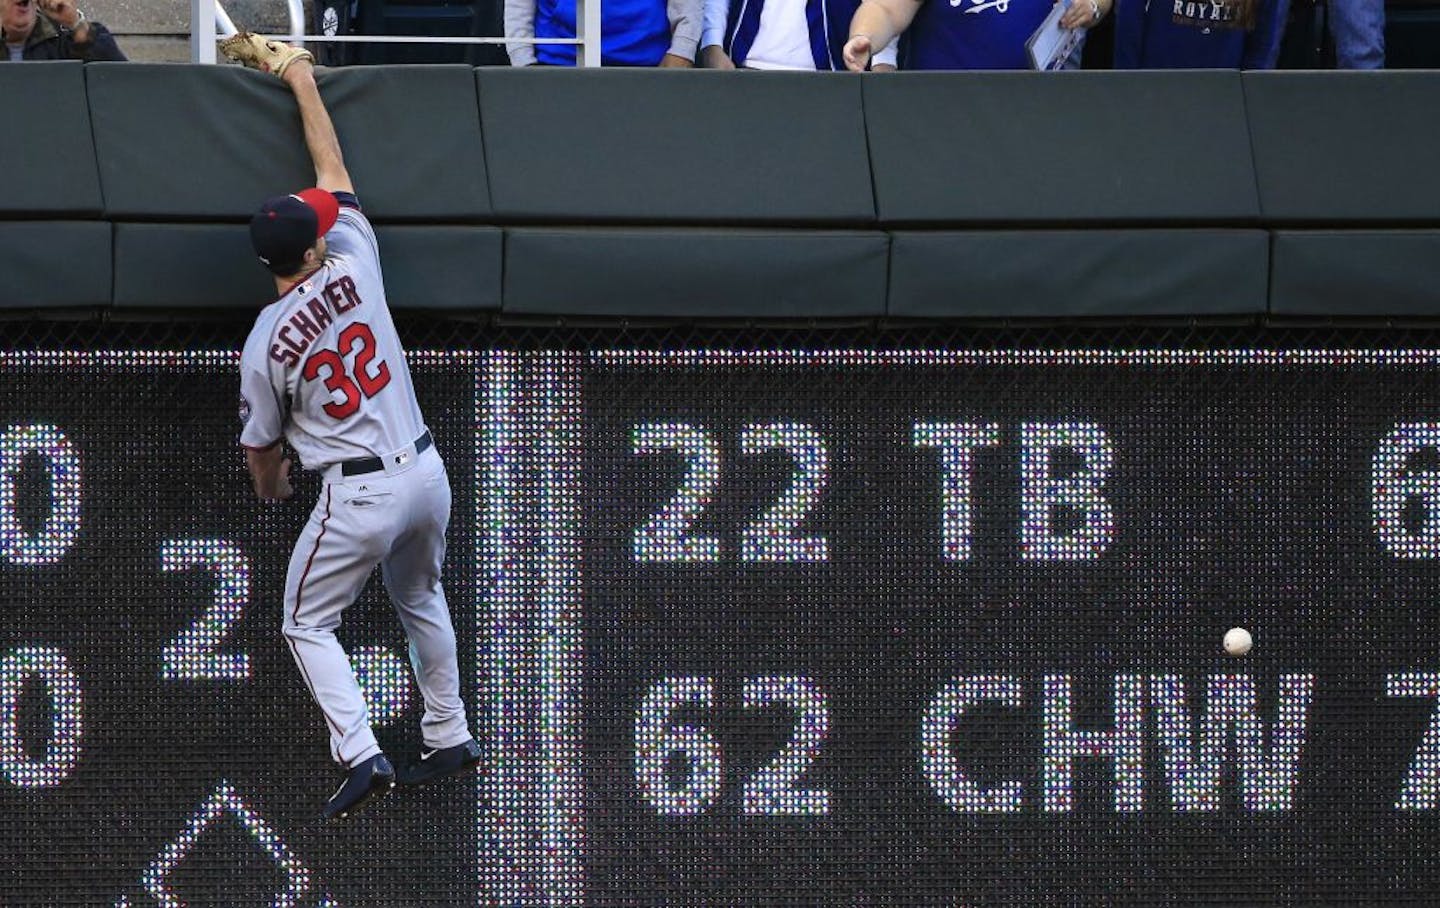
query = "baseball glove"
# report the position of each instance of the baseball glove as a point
(258, 53)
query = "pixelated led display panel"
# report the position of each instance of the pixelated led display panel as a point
(753, 628)
(944, 628)
(157, 744)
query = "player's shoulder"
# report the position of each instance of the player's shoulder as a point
(257, 345)
(264, 327)
(352, 230)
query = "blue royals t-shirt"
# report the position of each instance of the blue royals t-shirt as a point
(1197, 34)
(972, 34)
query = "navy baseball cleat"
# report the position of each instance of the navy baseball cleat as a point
(440, 762)
(363, 781)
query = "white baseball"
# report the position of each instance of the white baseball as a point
(1237, 641)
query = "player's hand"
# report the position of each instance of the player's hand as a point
(1082, 14)
(882, 68)
(283, 489)
(675, 61)
(714, 57)
(857, 53)
(63, 11)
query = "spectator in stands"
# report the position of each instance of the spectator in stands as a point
(1198, 34)
(661, 33)
(53, 30)
(1358, 29)
(780, 34)
(958, 34)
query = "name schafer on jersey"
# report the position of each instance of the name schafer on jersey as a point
(310, 319)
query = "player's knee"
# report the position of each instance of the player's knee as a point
(299, 628)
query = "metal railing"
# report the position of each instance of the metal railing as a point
(209, 22)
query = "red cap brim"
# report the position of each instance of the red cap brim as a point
(327, 208)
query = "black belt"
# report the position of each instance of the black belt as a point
(371, 464)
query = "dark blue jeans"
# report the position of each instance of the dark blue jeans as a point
(1358, 27)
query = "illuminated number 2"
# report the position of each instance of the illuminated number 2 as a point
(665, 537)
(772, 791)
(771, 537)
(338, 380)
(194, 654)
(62, 752)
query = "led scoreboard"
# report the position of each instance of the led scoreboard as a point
(754, 627)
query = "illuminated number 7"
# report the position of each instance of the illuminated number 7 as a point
(1422, 782)
(337, 378)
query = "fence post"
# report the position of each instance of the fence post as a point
(587, 29)
(202, 31)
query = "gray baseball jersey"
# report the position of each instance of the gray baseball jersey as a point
(323, 365)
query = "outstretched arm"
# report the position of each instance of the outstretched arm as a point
(320, 138)
(875, 24)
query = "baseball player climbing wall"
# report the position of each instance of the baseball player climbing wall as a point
(767, 627)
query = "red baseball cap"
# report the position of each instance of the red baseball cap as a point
(287, 225)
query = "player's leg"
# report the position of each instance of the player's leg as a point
(412, 577)
(332, 559)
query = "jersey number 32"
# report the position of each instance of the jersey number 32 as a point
(331, 365)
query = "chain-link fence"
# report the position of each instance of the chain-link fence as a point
(189, 331)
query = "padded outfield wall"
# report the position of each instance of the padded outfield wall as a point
(629, 193)
(838, 529)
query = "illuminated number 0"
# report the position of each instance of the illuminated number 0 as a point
(62, 524)
(338, 379)
(63, 750)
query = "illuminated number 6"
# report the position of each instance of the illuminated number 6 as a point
(1396, 485)
(62, 524)
(63, 750)
(657, 741)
